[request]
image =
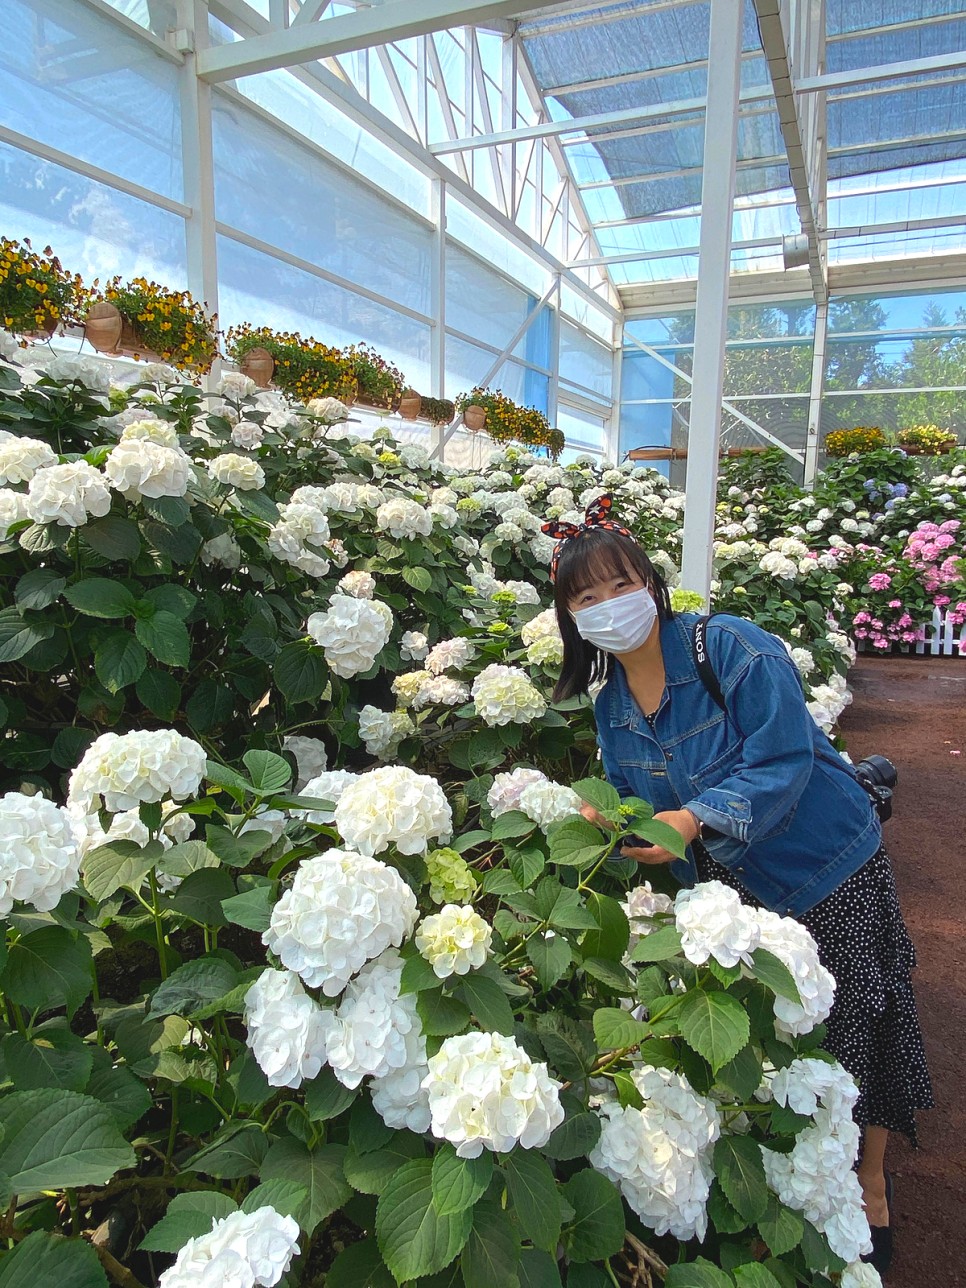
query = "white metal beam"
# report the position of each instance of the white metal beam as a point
(306, 42)
(672, 252)
(310, 10)
(816, 391)
(884, 71)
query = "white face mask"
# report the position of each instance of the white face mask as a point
(618, 625)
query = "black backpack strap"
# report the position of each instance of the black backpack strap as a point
(703, 662)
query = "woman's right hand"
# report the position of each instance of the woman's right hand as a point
(596, 817)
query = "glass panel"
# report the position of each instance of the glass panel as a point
(584, 433)
(584, 362)
(480, 302)
(467, 365)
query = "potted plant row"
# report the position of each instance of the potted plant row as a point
(926, 440)
(302, 368)
(505, 421)
(143, 319)
(36, 293)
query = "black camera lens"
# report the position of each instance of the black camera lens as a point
(877, 771)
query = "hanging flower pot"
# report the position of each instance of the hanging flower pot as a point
(474, 418)
(259, 365)
(102, 327)
(409, 405)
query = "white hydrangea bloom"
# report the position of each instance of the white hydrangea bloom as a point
(401, 517)
(398, 1096)
(287, 1029)
(327, 786)
(450, 876)
(131, 769)
(383, 731)
(803, 659)
(454, 940)
(778, 565)
(548, 803)
(373, 1022)
(794, 946)
(352, 633)
(236, 385)
(360, 585)
(85, 370)
(522, 592)
(713, 922)
(440, 690)
(301, 538)
(504, 695)
(641, 906)
(331, 410)
(444, 515)
(248, 435)
(68, 495)
(485, 1092)
(507, 789)
(393, 805)
(450, 655)
(660, 1155)
(413, 646)
(223, 550)
(243, 1250)
(310, 756)
(860, 1274)
(239, 472)
(140, 467)
(151, 430)
(543, 626)
(21, 458)
(408, 687)
(13, 509)
(39, 857)
(341, 910)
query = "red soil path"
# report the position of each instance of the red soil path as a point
(913, 710)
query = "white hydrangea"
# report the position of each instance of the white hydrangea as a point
(131, 769)
(243, 1250)
(39, 857)
(236, 385)
(713, 922)
(413, 646)
(860, 1274)
(341, 910)
(383, 731)
(301, 538)
(248, 435)
(360, 585)
(454, 940)
(398, 1096)
(352, 633)
(660, 1155)
(450, 655)
(504, 695)
(548, 803)
(373, 1023)
(239, 472)
(393, 805)
(331, 410)
(803, 659)
(444, 515)
(310, 756)
(223, 550)
(543, 626)
(641, 906)
(13, 509)
(522, 592)
(140, 467)
(778, 565)
(127, 826)
(287, 1029)
(401, 517)
(150, 430)
(68, 495)
(21, 458)
(485, 1092)
(327, 786)
(440, 690)
(81, 368)
(507, 789)
(408, 687)
(546, 652)
(794, 946)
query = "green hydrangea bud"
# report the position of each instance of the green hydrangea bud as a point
(450, 878)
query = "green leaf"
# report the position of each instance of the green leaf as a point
(253, 909)
(742, 1075)
(160, 693)
(526, 865)
(615, 1028)
(598, 1228)
(187, 857)
(38, 588)
(562, 907)
(727, 1219)
(550, 955)
(125, 1096)
(781, 1227)
(570, 1047)
(492, 1251)
(200, 896)
(55, 1140)
(209, 706)
(371, 1172)
(51, 1057)
(713, 1024)
(535, 1198)
(235, 1152)
(741, 1173)
(613, 933)
(488, 1002)
(326, 1097)
(286, 1197)
(697, 1274)
(575, 843)
(539, 1270)
(192, 986)
(755, 1275)
(417, 975)
(269, 773)
(658, 946)
(118, 865)
(187, 1217)
(44, 1259)
(300, 672)
(575, 1137)
(775, 975)
(319, 1170)
(165, 637)
(609, 973)
(18, 637)
(48, 968)
(100, 597)
(512, 824)
(662, 834)
(418, 578)
(600, 794)
(441, 1015)
(119, 660)
(459, 1182)
(180, 544)
(172, 598)
(112, 537)
(360, 1265)
(414, 1239)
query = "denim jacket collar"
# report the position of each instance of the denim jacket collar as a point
(679, 668)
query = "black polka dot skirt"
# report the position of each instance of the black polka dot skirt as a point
(873, 1029)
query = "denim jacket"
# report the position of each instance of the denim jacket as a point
(790, 819)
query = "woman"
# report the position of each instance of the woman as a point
(761, 797)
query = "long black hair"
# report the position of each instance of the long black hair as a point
(598, 554)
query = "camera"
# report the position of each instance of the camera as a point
(878, 776)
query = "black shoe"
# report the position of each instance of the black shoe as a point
(880, 1258)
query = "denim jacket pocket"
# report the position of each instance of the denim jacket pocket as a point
(714, 774)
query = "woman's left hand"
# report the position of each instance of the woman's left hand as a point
(683, 822)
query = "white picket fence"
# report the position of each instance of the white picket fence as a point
(942, 638)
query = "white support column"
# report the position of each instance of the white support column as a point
(714, 269)
(612, 430)
(816, 392)
(553, 385)
(437, 308)
(198, 161)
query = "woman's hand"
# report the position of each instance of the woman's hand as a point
(596, 817)
(683, 822)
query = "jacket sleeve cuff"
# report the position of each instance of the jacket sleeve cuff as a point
(725, 812)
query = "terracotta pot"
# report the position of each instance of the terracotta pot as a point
(352, 393)
(409, 405)
(258, 365)
(102, 327)
(474, 418)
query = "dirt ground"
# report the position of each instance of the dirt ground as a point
(913, 710)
